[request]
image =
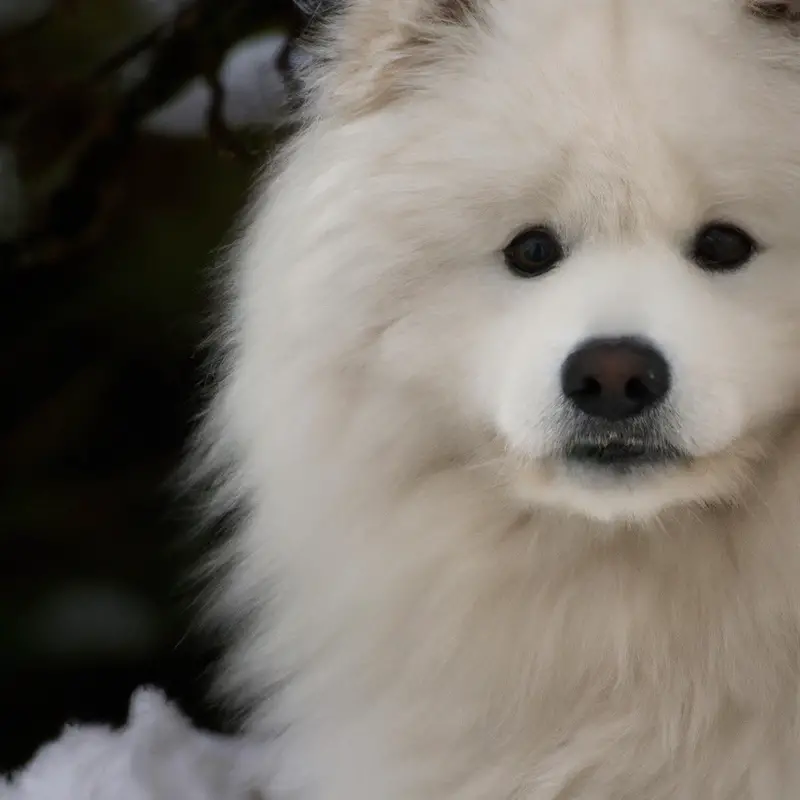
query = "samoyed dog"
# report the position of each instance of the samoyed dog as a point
(510, 400)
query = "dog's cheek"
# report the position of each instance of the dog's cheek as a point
(516, 368)
(734, 367)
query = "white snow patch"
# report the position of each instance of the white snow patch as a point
(158, 755)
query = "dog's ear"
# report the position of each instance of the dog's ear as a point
(779, 24)
(777, 10)
(376, 50)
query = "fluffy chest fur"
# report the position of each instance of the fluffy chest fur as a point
(475, 653)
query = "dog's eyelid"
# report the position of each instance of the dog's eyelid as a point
(723, 220)
(554, 230)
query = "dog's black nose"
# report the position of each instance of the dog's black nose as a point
(615, 378)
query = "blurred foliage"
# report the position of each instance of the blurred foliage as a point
(103, 286)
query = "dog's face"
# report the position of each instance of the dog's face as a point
(582, 235)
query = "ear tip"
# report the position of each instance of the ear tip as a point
(775, 9)
(313, 7)
(383, 49)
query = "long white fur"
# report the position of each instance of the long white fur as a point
(430, 607)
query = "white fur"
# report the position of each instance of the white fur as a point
(443, 610)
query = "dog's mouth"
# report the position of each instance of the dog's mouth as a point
(620, 454)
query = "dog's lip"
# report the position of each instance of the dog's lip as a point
(623, 452)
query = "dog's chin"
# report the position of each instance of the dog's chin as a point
(630, 482)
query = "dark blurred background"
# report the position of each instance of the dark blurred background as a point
(130, 131)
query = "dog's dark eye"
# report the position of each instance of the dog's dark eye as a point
(533, 252)
(721, 247)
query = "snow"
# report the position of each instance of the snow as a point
(158, 755)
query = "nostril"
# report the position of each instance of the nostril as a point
(590, 387)
(635, 389)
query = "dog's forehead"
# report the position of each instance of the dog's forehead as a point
(672, 57)
(619, 114)
(626, 84)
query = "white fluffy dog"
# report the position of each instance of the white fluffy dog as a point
(511, 399)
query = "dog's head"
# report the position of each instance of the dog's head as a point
(575, 226)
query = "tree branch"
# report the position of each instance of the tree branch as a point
(193, 44)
